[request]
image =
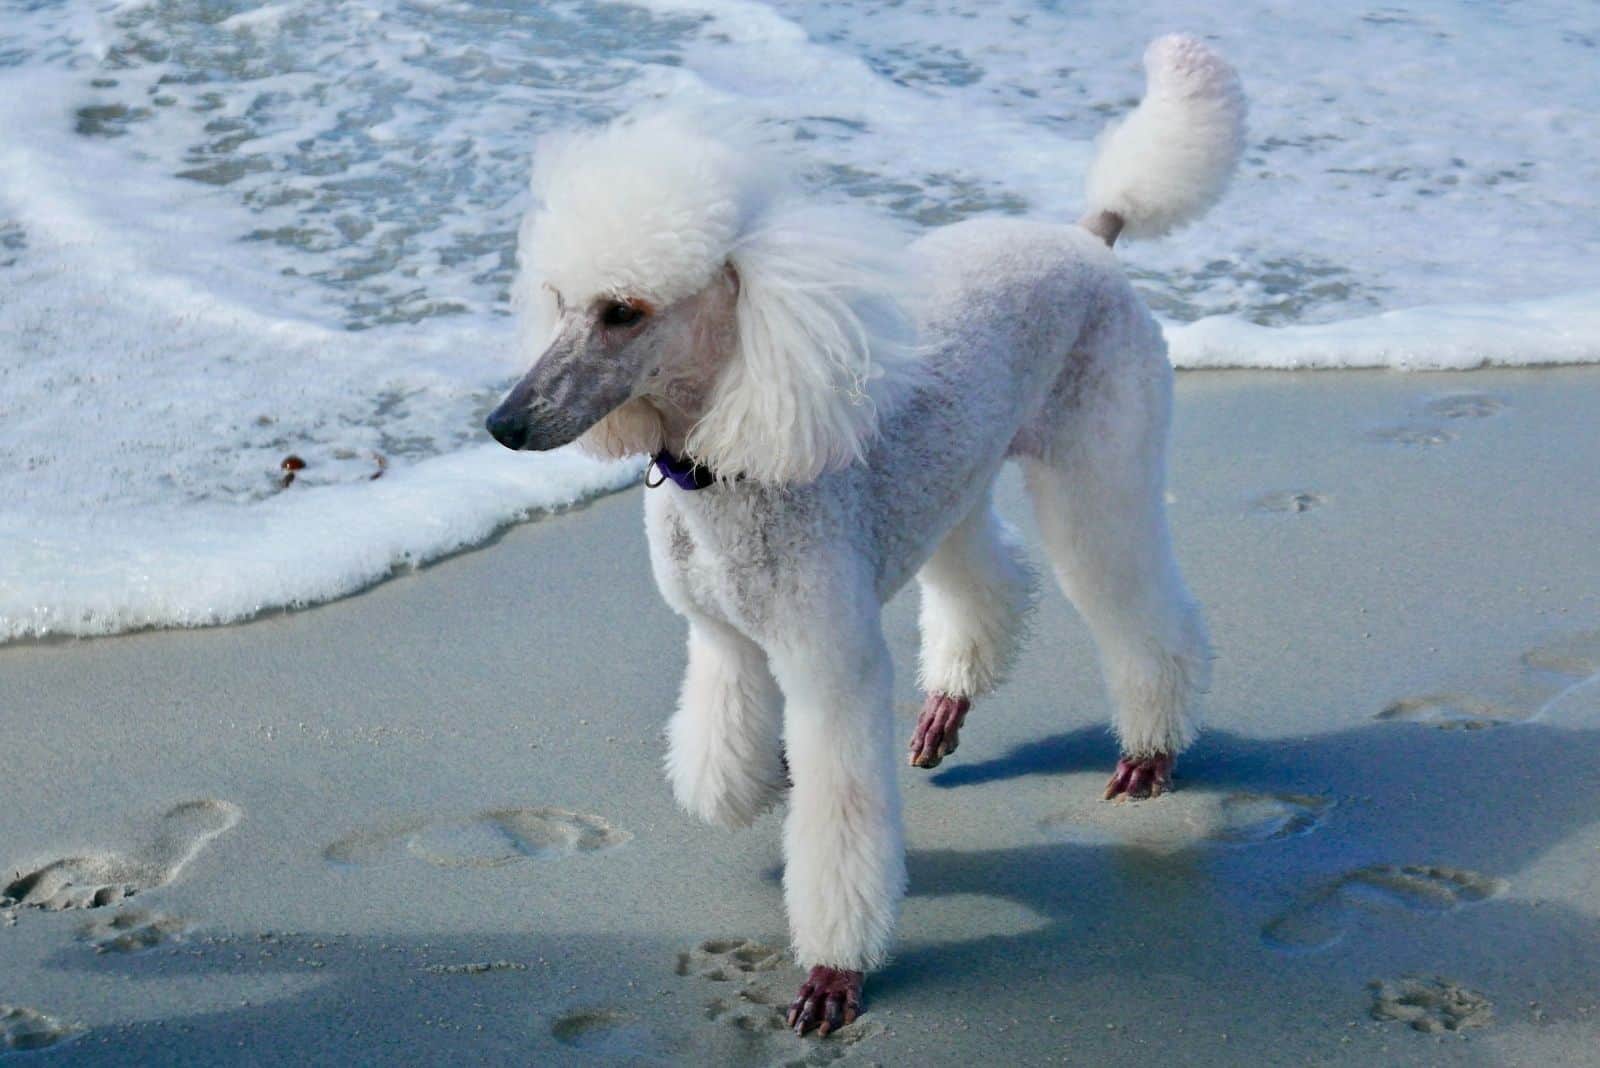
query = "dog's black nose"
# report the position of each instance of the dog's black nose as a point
(509, 428)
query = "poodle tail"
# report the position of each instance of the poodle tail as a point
(1169, 161)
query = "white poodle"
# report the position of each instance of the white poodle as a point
(831, 409)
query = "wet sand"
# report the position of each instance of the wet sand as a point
(427, 824)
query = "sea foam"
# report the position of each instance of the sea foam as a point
(232, 233)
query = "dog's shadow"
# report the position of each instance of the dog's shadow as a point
(1470, 804)
(1084, 749)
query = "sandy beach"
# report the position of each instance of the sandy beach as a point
(427, 824)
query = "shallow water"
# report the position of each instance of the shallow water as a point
(231, 233)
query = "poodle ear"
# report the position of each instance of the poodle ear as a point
(823, 343)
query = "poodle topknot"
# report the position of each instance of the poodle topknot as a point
(651, 208)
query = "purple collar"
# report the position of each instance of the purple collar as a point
(687, 474)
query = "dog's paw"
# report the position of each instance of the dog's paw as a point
(829, 999)
(1140, 777)
(938, 732)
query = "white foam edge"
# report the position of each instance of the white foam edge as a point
(1442, 337)
(222, 564)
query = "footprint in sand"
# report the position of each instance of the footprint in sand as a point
(730, 960)
(486, 839)
(1292, 501)
(1453, 711)
(1577, 658)
(1549, 676)
(95, 880)
(1187, 819)
(1466, 406)
(614, 1036)
(133, 931)
(1325, 918)
(750, 1006)
(748, 985)
(23, 1029)
(619, 1034)
(1413, 435)
(1246, 818)
(751, 993)
(1430, 1004)
(1453, 406)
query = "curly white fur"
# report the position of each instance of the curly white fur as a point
(721, 758)
(977, 592)
(1169, 161)
(652, 207)
(775, 343)
(824, 282)
(646, 206)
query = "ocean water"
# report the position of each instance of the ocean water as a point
(231, 233)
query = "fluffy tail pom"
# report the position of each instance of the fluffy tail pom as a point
(1169, 161)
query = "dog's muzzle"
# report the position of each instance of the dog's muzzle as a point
(528, 419)
(567, 391)
(516, 427)
(509, 428)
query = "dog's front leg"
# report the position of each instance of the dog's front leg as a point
(844, 869)
(724, 753)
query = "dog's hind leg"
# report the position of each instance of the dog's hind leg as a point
(977, 590)
(724, 756)
(1097, 490)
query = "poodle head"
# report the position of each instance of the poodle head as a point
(677, 293)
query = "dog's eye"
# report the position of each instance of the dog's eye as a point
(618, 313)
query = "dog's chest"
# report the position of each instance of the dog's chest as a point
(729, 562)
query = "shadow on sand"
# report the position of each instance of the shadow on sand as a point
(1153, 928)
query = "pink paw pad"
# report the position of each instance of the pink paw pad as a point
(938, 729)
